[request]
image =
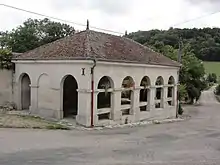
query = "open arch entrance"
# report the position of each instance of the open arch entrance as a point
(145, 94)
(159, 92)
(127, 95)
(25, 92)
(70, 97)
(170, 93)
(104, 101)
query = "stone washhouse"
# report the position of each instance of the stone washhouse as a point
(96, 79)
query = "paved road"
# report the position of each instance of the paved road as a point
(192, 142)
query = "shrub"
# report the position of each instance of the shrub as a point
(212, 77)
(5, 59)
(180, 109)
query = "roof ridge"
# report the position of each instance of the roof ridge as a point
(146, 47)
(87, 44)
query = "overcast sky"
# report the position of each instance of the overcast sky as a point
(117, 15)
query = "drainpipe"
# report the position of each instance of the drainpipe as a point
(92, 93)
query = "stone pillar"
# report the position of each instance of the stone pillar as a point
(84, 108)
(116, 113)
(34, 97)
(164, 97)
(152, 98)
(135, 104)
(174, 98)
(57, 105)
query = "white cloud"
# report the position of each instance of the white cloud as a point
(116, 15)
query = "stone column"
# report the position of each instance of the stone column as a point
(164, 97)
(34, 97)
(116, 113)
(174, 98)
(152, 98)
(84, 108)
(135, 104)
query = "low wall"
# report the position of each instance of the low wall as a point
(6, 86)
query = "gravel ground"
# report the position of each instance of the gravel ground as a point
(192, 142)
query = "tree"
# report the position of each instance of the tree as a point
(191, 73)
(34, 33)
(205, 43)
(5, 59)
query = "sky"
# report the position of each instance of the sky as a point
(116, 15)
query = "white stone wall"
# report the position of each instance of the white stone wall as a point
(6, 77)
(46, 88)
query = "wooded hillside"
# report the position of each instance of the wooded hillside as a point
(205, 43)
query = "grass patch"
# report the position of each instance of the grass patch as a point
(57, 126)
(212, 67)
(21, 121)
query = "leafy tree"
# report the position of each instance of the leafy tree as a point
(205, 43)
(5, 59)
(34, 33)
(191, 73)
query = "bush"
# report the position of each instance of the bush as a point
(182, 92)
(5, 59)
(212, 78)
(180, 109)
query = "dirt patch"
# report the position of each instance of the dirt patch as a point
(18, 121)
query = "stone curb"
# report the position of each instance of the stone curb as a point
(143, 123)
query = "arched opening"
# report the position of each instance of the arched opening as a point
(159, 92)
(170, 93)
(104, 100)
(127, 95)
(145, 94)
(25, 92)
(70, 97)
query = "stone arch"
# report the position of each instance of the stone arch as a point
(127, 95)
(69, 101)
(44, 92)
(25, 91)
(170, 92)
(159, 81)
(104, 98)
(145, 94)
(171, 80)
(159, 92)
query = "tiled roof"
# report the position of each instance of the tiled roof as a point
(104, 47)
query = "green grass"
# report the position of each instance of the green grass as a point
(212, 67)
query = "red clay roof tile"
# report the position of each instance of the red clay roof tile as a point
(91, 44)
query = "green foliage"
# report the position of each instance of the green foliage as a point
(34, 33)
(182, 92)
(205, 43)
(180, 109)
(212, 78)
(5, 59)
(192, 72)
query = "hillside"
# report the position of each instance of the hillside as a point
(205, 43)
(212, 67)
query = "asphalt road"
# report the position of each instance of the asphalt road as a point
(192, 142)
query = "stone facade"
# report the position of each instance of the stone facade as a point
(6, 86)
(47, 79)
